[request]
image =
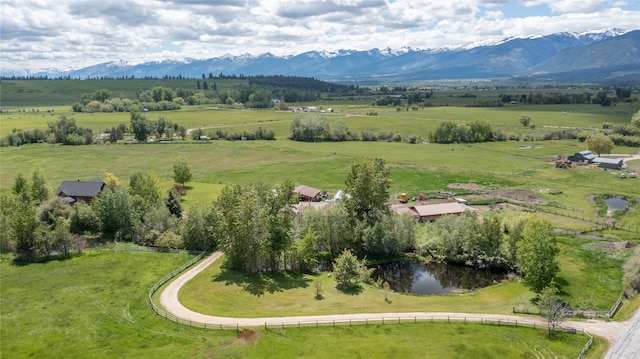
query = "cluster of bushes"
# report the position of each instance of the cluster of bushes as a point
(389, 136)
(159, 98)
(315, 127)
(565, 134)
(465, 132)
(460, 239)
(64, 131)
(259, 133)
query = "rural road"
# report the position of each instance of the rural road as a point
(624, 335)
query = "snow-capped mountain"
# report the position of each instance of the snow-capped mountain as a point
(605, 55)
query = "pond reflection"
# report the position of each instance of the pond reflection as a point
(419, 278)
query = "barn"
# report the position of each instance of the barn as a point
(609, 163)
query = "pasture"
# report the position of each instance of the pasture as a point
(96, 305)
(48, 309)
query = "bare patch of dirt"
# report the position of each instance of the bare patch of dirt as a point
(468, 186)
(248, 336)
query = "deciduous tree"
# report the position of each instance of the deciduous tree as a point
(182, 171)
(537, 252)
(552, 307)
(140, 126)
(367, 185)
(525, 120)
(599, 143)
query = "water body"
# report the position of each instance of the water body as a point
(434, 278)
(616, 204)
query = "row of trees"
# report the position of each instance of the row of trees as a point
(259, 133)
(159, 98)
(162, 128)
(465, 132)
(64, 131)
(314, 127)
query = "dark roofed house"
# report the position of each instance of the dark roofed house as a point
(74, 191)
(307, 194)
(583, 156)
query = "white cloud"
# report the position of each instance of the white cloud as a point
(76, 33)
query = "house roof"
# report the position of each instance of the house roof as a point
(306, 191)
(439, 209)
(612, 161)
(584, 153)
(81, 189)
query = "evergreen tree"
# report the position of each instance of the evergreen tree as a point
(173, 203)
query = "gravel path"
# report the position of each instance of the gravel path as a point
(611, 331)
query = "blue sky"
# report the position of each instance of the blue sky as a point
(65, 34)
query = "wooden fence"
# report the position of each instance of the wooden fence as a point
(573, 313)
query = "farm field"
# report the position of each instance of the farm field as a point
(47, 309)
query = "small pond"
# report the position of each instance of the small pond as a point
(616, 204)
(433, 278)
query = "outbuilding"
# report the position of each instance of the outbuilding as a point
(609, 163)
(307, 194)
(431, 212)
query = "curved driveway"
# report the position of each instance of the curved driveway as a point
(611, 331)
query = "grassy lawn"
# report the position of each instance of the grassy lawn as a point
(414, 341)
(95, 305)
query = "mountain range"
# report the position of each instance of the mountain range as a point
(604, 56)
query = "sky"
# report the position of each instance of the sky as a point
(71, 34)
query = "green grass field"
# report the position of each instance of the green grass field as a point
(95, 305)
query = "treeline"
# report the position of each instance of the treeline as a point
(624, 134)
(465, 132)
(299, 83)
(64, 131)
(259, 133)
(621, 94)
(159, 98)
(314, 127)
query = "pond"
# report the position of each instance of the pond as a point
(616, 204)
(433, 278)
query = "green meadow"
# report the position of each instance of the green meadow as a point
(95, 304)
